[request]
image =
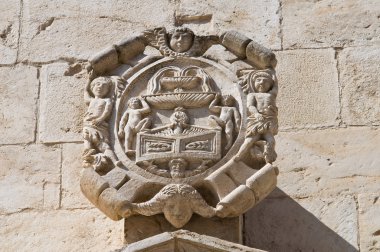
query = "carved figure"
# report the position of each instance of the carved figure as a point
(228, 116)
(95, 128)
(180, 42)
(262, 121)
(178, 202)
(180, 105)
(133, 122)
(179, 120)
(182, 39)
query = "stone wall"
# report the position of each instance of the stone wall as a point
(329, 109)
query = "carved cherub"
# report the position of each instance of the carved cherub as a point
(180, 42)
(228, 116)
(262, 122)
(133, 122)
(95, 128)
(178, 202)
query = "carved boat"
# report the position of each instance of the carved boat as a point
(184, 82)
(182, 99)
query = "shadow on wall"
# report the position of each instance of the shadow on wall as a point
(281, 224)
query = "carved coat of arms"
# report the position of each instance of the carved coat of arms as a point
(171, 128)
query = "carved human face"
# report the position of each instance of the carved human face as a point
(179, 117)
(263, 84)
(178, 211)
(181, 41)
(177, 168)
(134, 103)
(100, 88)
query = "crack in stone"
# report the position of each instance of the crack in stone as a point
(4, 33)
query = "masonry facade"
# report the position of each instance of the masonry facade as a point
(329, 117)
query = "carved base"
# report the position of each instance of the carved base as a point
(183, 240)
(140, 227)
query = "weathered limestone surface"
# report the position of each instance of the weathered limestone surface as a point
(62, 230)
(19, 93)
(29, 178)
(369, 222)
(319, 224)
(74, 40)
(330, 23)
(9, 30)
(154, 225)
(327, 161)
(61, 106)
(72, 196)
(360, 85)
(323, 48)
(309, 88)
(228, 15)
(183, 240)
(147, 13)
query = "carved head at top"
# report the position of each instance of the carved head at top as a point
(134, 103)
(101, 86)
(182, 39)
(262, 82)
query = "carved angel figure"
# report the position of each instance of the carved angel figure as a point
(262, 122)
(95, 128)
(178, 202)
(133, 122)
(180, 42)
(229, 116)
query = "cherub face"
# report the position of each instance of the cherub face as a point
(100, 88)
(181, 41)
(178, 211)
(134, 103)
(263, 84)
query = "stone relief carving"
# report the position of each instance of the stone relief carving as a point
(178, 133)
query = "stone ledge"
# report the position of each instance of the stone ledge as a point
(183, 240)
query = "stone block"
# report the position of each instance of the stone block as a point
(19, 92)
(72, 197)
(62, 230)
(330, 23)
(140, 227)
(76, 39)
(369, 222)
(258, 21)
(29, 177)
(148, 13)
(331, 161)
(61, 105)
(311, 224)
(309, 93)
(9, 29)
(183, 240)
(359, 77)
